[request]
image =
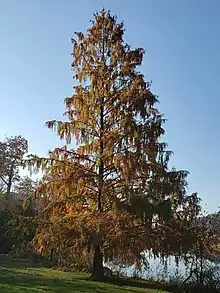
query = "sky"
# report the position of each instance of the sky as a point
(182, 43)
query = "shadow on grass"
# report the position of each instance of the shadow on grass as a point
(15, 281)
(18, 276)
(143, 284)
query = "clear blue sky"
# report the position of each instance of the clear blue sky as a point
(182, 42)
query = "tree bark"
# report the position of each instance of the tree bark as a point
(97, 269)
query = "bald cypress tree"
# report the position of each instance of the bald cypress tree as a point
(113, 194)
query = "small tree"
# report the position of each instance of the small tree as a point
(114, 192)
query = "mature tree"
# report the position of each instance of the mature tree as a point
(114, 192)
(12, 151)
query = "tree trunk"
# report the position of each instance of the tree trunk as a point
(8, 191)
(8, 195)
(201, 264)
(51, 255)
(9, 184)
(97, 269)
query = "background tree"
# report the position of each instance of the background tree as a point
(114, 192)
(12, 151)
(202, 261)
(16, 222)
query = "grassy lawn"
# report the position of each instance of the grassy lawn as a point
(16, 278)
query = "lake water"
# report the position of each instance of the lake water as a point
(159, 271)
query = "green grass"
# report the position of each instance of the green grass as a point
(16, 278)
